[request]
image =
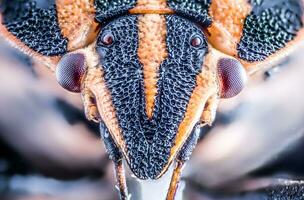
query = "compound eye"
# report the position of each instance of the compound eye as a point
(196, 41)
(70, 70)
(232, 76)
(107, 39)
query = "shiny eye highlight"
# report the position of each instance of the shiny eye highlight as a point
(70, 70)
(107, 39)
(196, 41)
(232, 76)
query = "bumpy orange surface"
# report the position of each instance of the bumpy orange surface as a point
(94, 86)
(152, 52)
(161, 3)
(228, 20)
(76, 20)
(151, 7)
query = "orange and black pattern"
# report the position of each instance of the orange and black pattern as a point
(149, 140)
(154, 59)
(34, 26)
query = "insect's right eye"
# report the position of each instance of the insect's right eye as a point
(232, 76)
(107, 39)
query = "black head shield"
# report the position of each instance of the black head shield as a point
(149, 138)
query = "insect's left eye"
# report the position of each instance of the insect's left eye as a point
(196, 41)
(107, 39)
(70, 70)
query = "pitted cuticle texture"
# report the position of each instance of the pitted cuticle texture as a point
(149, 140)
(124, 79)
(34, 26)
(106, 9)
(269, 27)
(111, 148)
(186, 151)
(178, 76)
(291, 190)
(195, 9)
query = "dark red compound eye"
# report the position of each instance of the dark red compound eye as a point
(70, 70)
(107, 39)
(233, 77)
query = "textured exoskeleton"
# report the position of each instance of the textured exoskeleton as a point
(152, 72)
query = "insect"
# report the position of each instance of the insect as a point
(153, 72)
